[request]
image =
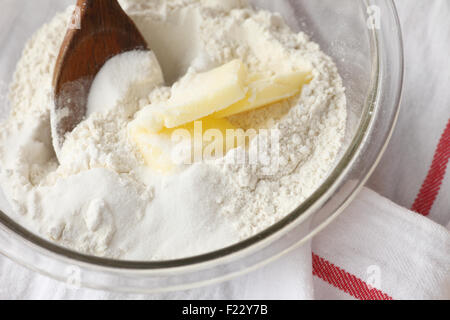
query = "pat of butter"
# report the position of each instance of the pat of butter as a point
(206, 93)
(263, 92)
(197, 97)
(202, 139)
(156, 155)
(158, 130)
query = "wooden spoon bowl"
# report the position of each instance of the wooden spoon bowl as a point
(103, 30)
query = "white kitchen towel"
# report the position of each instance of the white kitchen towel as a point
(425, 115)
(375, 249)
(401, 254)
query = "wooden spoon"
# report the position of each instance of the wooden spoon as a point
(102, 31)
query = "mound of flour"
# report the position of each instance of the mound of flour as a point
(100, 198)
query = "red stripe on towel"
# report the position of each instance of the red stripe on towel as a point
(429, 191)
(345, 281)
(433, 182)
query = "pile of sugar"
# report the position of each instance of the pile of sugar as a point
(100, 199)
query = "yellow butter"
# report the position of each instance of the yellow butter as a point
(211, 97)
(150, 119)
(155, 154)
(206, 138)
(197, 97)
(206, 93)
(262, 92)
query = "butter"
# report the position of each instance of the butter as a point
(206, 93)
(154, 149)
(201, 95)
(221, 92)
(262, 92)
(150, 119)
(211, 97)
(198, 140)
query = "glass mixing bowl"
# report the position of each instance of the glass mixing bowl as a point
(363, 37)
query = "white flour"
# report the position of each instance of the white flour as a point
(100, 199)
